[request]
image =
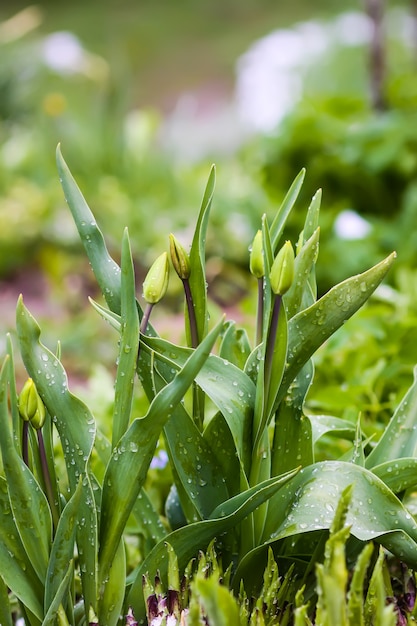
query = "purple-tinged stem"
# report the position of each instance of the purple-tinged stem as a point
(191, 313)
(25, 442)
(47, 478)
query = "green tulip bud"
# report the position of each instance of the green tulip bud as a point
(31, 407)
(179, 257)
(282, 270)
(156, 281)
(256, 259)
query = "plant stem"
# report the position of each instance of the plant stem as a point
(270, 346)
(47, 478)
(198, 399)
(25, 442)
(260, 311)
(145, 319)
(191, 313)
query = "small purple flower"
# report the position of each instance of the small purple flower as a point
(160, 460)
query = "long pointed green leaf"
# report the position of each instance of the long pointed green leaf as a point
(105, 269)
(197, 277)
(356, 588)
(303, 265)
(292, 443)
(195, 463)
(62, 552)
(76, 427)
(129, 343)
(113, 589)
(5, 610)
(188, 540)
(230, 389)
(129, 463)
(28, 503)
(55, 607)
(400, 436)
(15, 567)
(310, 328)
(281, 217)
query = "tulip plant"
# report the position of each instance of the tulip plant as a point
(232, 419)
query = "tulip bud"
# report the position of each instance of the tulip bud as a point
(31, 407)
(156, 281)
(179, 257)
(282, 270)
(256, 259)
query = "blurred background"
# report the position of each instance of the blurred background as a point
(145, 95)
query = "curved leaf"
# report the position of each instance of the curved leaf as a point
(76, 427)
(230, 389)
(188, 540)
(307, 503)
(105, 269)
(310, 328)
(30, 507)
(15, 567)
(130, 460)
(400, 436)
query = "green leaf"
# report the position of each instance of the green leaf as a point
(295, 297)
(281, 217)
(356, 588)
(220, 606)
(310, 328)
(15, 567)
(76, 427)
(5, 611)
(188, 540)
(312, 218)
(195, 464)
(62, 552)
(129, 343)
(197, 279)
(400, 436)
(105, 269)
(293, 442)
(329, 425)
(307, 503)
(230, 389)
(28, 503)
(113, 589)
(55, 613)
(235, 346)
(130, 460)
(398, 475)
